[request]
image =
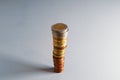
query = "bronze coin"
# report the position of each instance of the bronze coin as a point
(59, 48)
(59, 38)
(58, 63)
(58, 60)
(59, 66)
(58, 70)
(58, 57)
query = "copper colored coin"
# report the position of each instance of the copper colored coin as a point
(58, 57)
(59, 66)
(58, 63)
(59, 60)
(58, 70)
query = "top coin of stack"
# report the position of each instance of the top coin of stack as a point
(60, 30)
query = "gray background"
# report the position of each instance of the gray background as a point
(93, 51)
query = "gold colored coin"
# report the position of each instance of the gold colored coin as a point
(59, 43)
(59, 38)
(59, 52)
(58, 56)
(60, 48)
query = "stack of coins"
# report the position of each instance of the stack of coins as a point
(59, 32)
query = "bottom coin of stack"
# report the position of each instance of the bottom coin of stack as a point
(58, 64)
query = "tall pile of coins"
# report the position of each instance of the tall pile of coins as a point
(59, 32)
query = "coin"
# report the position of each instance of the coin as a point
(58, 70)
(59, 48)
(58, 53)
(59, 30)
(59, 43)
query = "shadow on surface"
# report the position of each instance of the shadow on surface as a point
(15, 67)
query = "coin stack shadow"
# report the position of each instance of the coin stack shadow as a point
(59, 32)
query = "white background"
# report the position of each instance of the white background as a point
(93, 51)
